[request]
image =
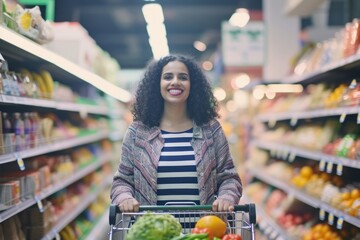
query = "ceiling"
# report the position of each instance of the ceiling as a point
(119, 28)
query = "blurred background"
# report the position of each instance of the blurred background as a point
(285, 73)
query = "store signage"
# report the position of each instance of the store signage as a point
(243, 47)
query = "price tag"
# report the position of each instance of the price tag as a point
(57, 236)
(272, 152)
(39, 204)
(322, 165)
(358, 119)
(273, 235)
(329, 167)
(339, 169)
(292, 157)
(339, 223)
(83, 113)
(331, 219)
(322, 214)
(271, 123)
(342, 117)
(293, 121)
(20, 163)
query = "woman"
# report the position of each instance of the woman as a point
(175, 150)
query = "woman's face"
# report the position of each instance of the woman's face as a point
(175, 83)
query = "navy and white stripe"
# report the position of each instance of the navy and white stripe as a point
(177, 176)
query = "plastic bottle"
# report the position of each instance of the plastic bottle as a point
(8, 133)
(19, 130)
(27, 129)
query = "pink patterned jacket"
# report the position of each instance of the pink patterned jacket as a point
(137, 173)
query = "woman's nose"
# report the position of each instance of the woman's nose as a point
(175, 81)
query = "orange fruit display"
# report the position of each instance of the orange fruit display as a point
(216, 224)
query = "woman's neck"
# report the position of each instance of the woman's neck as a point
(175, 118)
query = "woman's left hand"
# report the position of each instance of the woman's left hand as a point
(222, 205)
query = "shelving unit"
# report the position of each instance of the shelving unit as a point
(26, 53)
(100, 228)
(71, 214)
(308, 114)
(4, 215)
(304, 197)
(283, 151)
(266, 224)
(288, 151)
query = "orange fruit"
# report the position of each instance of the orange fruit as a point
(216, 224)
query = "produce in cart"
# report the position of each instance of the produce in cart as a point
(155, 227)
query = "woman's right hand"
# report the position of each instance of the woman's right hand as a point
(129, 205)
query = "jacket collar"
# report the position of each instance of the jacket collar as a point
(155, 131)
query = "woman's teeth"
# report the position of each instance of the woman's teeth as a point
(175, 91)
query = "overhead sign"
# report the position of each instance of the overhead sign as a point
(243, 47)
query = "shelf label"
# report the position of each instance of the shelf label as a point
(342, 117)
(272, 152)
(358, 119)
(339, 223)
(57, 236)
(272, 123)
(322, 214)
(39, 204)
(293, 121)
(273, 235)
(329, 167)
(339, 169)
(331, 219)
(20, 162)
(322, 165)
(292, 157)
(83, 113)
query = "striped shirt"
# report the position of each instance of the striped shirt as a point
(177, 176)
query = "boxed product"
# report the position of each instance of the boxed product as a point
(73, 42)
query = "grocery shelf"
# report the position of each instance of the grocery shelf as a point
(100, 227)
(6, 214)
(65, 106)
(329, 70)
(20, 47)
(267, 117)
(266, 223)
(72, 213)
(52, 147)
(295, 151)
(304, 197)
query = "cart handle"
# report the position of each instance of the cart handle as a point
(249, 208)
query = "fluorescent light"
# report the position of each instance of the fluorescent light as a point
(200, 46)
(285, 88)
(240, 17)
(157, 29)
(153, 13)
(219, 94)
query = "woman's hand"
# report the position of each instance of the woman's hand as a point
(222, 205)
(129, 205)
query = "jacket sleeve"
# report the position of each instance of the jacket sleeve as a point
(228, 180)
(123, 183)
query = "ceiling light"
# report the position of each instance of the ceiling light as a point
(240, 81)
(153, 13)
(240, 17)
(156, 29)
(200, 46)
(219, 94)
(285, 88)
(207, 65)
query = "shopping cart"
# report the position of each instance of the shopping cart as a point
(241, 221)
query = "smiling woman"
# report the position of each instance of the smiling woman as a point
(175, 150)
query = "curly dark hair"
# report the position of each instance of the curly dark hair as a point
(148, 108)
